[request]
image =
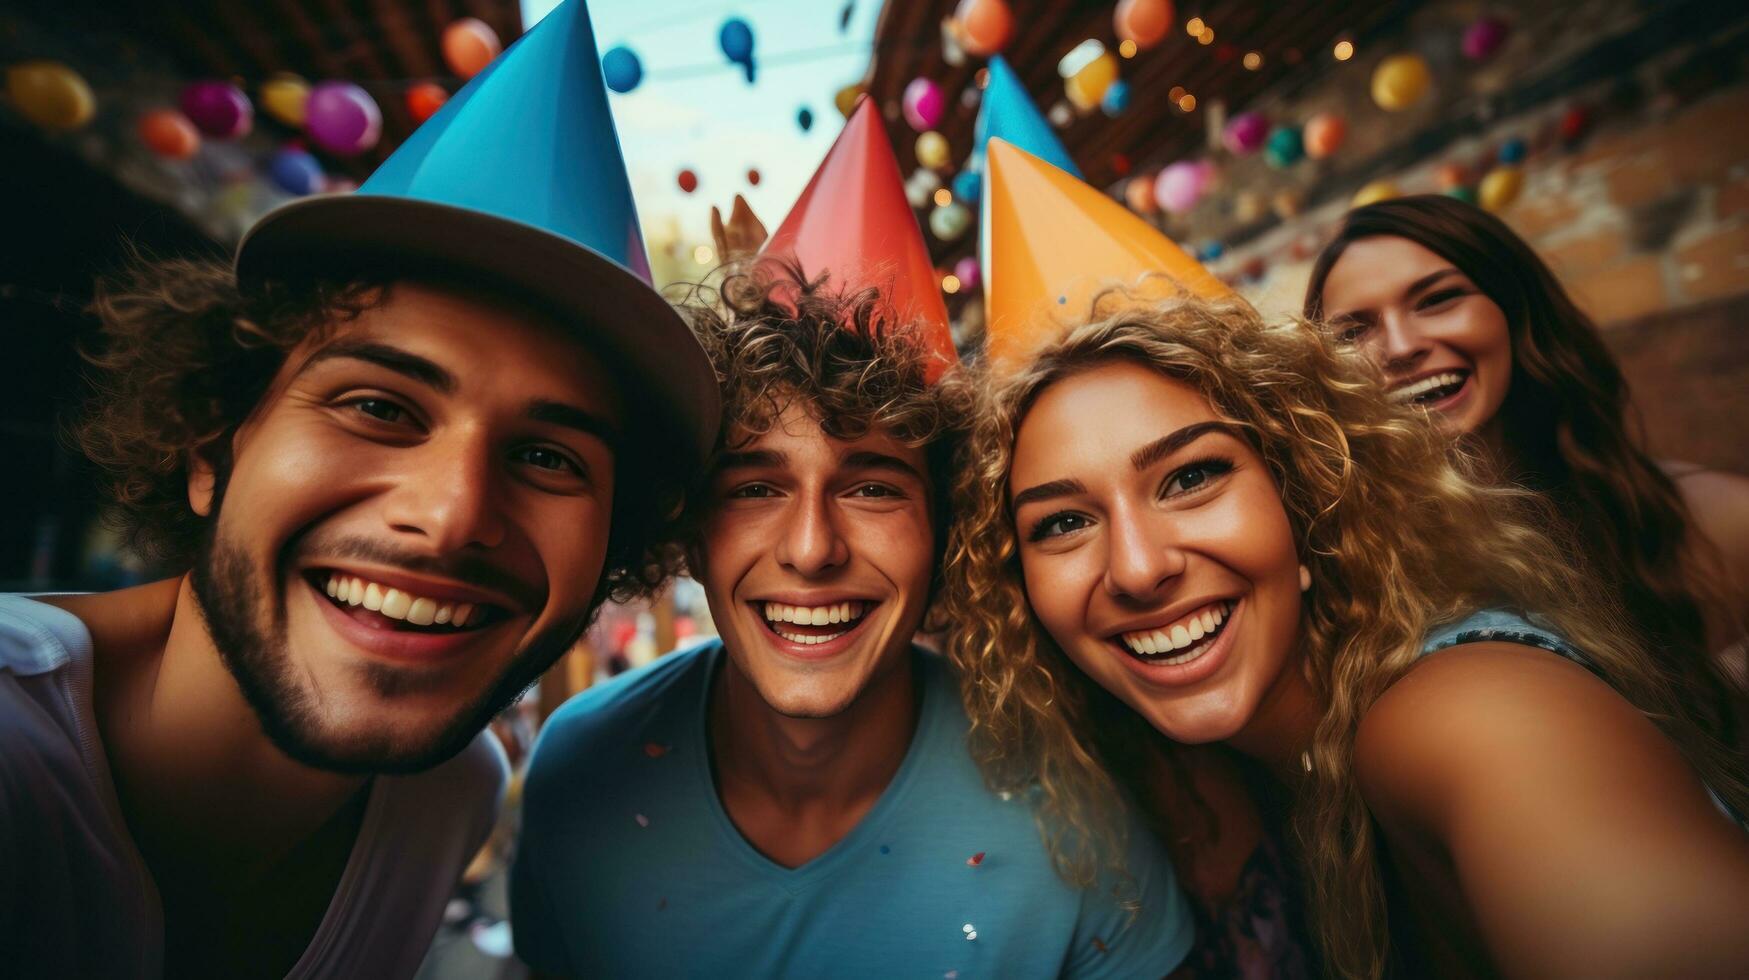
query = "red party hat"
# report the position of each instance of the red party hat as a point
(854, 223)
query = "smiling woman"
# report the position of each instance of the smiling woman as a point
(1180, 521)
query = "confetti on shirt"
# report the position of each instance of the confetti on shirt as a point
(975, 860)
(643, 821)
(655, 750)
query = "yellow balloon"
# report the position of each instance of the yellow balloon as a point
(284, 96)
(1086, 87)
(846, 98)
(932, 150)
(1500, 188)
(50, 94)
(1378, 190)
(1400, 81)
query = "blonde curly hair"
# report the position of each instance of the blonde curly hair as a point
(1399, 537)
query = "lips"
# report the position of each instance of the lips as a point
(382, 606)
(1430, 389)
(1182, 640)
(812, 625)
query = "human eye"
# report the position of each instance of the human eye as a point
(1194, 477)
(874, 491)
(380, 409)
(547, 458)
(1348, 330)
(1058, 525)
(1440, 298)
(751, 491)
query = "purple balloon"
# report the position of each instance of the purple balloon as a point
(1484, 37)
(1180, 186)
(218, 109)
(342, 118)
(924, 104)
(1245, 133)
(968, 272)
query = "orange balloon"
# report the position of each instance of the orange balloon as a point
(1323, 134)
(1145, 22)
(1139, 192)
(469, 45)
(424, 99)
(169, 134)
(985, 26)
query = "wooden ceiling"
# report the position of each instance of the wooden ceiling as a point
(1293, 38)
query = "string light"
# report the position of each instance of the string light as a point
(1253, 60)
(1176, 93)
(950, 284)
(1206, 37)
(1344, 50)
(1127, 48)
(943, 197)
(703, 255)
(1188, 103)
(1194, 27)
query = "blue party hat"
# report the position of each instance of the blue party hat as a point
(1007, 112)
(517, 182)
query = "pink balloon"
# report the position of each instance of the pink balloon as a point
(968, 272)
(1180, 186)
(924, 104)
(218, 109)
(1245, 133)
(1484, 37)
(342, 118)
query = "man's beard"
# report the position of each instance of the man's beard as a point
(230, 595)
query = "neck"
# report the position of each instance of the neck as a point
(1283, 726)
(199, 781)
(839, 763)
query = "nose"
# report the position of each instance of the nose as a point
(1143, 558)
(1403, 344)
(447, 493)
(810, 542)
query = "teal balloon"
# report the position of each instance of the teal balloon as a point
(1285, 147)
(621, 69)
(967, 184)
(1116, 98)
(1512, 151)
(1007, 111)
(1462, 193)
(736, 39)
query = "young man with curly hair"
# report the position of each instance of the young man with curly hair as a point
(797, 800)
(395, 457)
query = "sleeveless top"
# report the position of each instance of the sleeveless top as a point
(1507, 626)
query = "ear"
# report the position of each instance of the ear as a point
(202, 480)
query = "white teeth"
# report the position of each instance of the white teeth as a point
(1412, 391)
(819, 615)
(1180, 637)
(1187, 632)
(841, 612)
(396, 604)
(1195, 628)
(809, 640)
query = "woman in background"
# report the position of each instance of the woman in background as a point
(1466, 321)
(1178, 521)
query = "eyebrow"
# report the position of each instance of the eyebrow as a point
(870, 460)
(572, 417)
(749, 458)
(1047, 491)
(391, 358)
(1141, 459)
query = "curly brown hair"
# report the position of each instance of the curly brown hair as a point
(1398, 535)
(777, 338)
(186, 353)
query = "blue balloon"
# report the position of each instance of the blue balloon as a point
(805, 118)
(967, 185)
(1512, 151)
(1210, 251)
(296, 172)
(1116, 98)
(621, 69)
(736, 39)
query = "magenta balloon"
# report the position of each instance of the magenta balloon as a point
(1245, 133)
(1484, 37)
(1179, 186)
(218, 109)
(924, 104)
(342, 118)
(968, 272)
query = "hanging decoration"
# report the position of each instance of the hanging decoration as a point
(1116, 99)
(1210, 250)
(688, 181)
(1378, 190)
(932, 150)
(985, 26)
(169, 134)
(1285, 147)
(736, 40)
(1450, 175)
(1323, 135)
(1138, 193)
(1287, 203)
(284, 97)
(1400, 81)
(922, 183)
(847, 98)
(967, 185)
(805, 118)
(1143, 22)
(970, 275)
(295, 171)
(343, 119)
(621, 69)
(1087, 71)
(1484, 37)
(1500, 188)
(1245, 133)
(218, 109)
(1179, 186)
(50, 94)
(1512, 151)
(924, 104)
(949, 221)
(424, 99)
(1574, 124)
(1248, 206)
(952, 53)
(469, 45)
(1462, 192)
(1061, 115)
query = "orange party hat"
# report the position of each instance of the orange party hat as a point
(854, 224)
(1055, 243)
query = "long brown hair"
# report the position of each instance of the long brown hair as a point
(1399, 538)
(1566, 423)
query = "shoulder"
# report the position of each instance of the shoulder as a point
(603, 710)
(1482, 719)
(37, 638)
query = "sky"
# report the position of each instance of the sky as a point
(694, 110)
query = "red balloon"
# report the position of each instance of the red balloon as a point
(424, 99)
(688, 181)
(469, 45)
(169, 134)
(1574, 124)
(1145, 22)
(985, 26)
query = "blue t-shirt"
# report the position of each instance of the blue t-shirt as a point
(629, 865)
